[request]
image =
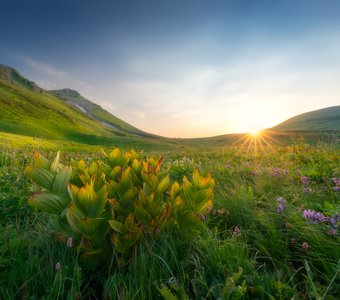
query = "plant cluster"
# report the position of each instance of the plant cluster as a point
(108, 205)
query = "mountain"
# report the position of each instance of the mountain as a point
(27, 109)
(326, 119)
(97, 113)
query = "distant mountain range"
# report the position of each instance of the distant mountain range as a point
(27, 109)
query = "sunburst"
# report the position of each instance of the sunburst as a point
(256, 140)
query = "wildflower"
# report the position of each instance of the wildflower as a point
(336, 188)
(281, 205)
(237, 231)
(293, 240)
(304, 180)
(280, 208)
(281, 200)
(308, 214)
(58, 267)
(336, 180)
(320, 217)
(305, 246)
(173, 281)
(331, 231)
(202, 217)
(288, 226)
(332, 221)
(307, 190)
(69, 242)
(221, 211)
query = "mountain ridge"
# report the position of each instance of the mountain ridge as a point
(27, 109)
(327, 118)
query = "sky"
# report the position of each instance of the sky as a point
(181, 68)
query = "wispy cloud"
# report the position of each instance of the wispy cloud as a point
(44, 68)
(53, 77)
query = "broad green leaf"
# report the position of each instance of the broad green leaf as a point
(163, 186)
(142, 215)
(40, 176)
(88, 200)
(40, 161)
(61, 181)
(117, 226)
(48, 202)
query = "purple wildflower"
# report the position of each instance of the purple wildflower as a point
(336, 188)
(320, 217)
(336, 180)
(281, 200)
(308, 214)
(281, 205)
(280, 208)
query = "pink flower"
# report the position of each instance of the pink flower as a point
(69, 242)
(305, 246)
(304, 180)
(237, 231)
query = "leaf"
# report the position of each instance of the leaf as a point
(117, 226)
(163, 186)
(61, 181)
(166, 293)
(142, 215)
(88, 200)
(55, 163)
(48, 202)
(40, 176)
(40, 161)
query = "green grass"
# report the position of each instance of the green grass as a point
(265, 260)
(321, 119)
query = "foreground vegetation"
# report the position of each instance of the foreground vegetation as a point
(271, 232)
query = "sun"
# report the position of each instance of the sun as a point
(255, 132)
(256, 140)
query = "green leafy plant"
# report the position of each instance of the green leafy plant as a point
(114, 201)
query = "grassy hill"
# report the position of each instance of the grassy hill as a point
(322, 119)
(27, 109)
(97, 113)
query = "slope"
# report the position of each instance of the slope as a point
(322, 119)
(96, 112)
(27, 109)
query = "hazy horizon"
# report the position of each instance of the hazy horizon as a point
(192, 69)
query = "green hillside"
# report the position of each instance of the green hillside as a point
(27, 109)
(96, 112)
(322, 119)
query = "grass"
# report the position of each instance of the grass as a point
(265, 259)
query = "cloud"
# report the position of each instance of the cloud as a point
(44, 68)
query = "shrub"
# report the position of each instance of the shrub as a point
(107, 206)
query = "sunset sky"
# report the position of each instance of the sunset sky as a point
(181, 68)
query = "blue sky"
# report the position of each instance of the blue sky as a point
(181, 68)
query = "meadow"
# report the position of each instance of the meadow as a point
(270, 232)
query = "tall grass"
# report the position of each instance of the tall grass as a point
(248, 248)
